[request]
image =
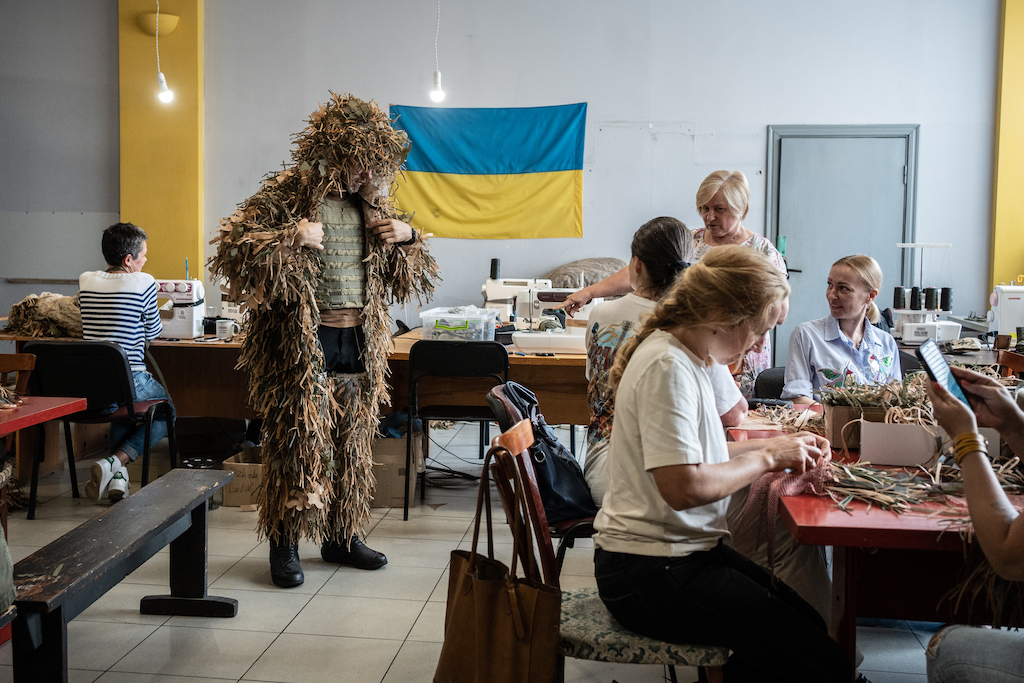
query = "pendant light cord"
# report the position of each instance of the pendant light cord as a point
(158, 33)
(436, 32)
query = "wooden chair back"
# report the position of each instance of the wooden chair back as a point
(20, 363)
(511, 470)
(1010, 362)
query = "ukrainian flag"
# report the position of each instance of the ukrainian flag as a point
(494, 173)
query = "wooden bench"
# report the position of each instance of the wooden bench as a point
(56, 583)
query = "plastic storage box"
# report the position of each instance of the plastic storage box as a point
(465, 323)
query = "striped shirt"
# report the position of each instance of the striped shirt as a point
(120, 307)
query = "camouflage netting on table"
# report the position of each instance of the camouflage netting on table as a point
(46, 315)
(312, 487)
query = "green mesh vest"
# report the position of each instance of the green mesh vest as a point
(343, 280)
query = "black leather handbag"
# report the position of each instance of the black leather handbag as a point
(563, 489)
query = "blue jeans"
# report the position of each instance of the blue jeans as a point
(965, 654)
(125, 436)
(717, 597)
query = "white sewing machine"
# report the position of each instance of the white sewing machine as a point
(500, 293)
(1007, 312)
(182, 309)
(916, 327)
(535, 304)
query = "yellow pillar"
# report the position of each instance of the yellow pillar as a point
(1008, 180)
(162, 144)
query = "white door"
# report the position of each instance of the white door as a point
(838, 196)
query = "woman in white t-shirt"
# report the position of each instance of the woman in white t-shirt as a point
(661, 567)
(660, 250)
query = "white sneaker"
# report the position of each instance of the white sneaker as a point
(100, 474)
(118, 488)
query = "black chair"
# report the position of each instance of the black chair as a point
(770, 382)
(430, 358)
(100, 372)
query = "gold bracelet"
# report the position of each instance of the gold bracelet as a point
(968, 442)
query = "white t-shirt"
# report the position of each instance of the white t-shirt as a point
(665, 415)
(610, 325)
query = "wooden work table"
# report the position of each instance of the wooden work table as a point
(202, 381)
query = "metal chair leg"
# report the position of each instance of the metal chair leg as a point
(36, 459)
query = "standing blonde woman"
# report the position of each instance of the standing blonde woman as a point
(845, 343)
(661, 567)
(723, 200)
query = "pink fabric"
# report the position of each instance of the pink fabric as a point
(757, 522)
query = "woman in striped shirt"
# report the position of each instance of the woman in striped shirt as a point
(119, 305)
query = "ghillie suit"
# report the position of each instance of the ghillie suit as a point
(318, 426)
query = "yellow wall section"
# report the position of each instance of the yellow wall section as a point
(1008, 181)
(162, 144)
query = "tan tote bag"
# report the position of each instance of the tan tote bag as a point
(498, 628)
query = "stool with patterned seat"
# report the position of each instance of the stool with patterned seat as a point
(588, 630)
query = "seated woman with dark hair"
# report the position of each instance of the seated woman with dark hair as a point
(825, 352)
(661, 248)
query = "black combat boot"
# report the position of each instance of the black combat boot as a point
(358, 556)
(285, 570)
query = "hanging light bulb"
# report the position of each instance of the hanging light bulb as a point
(437, 94)
(166, 95)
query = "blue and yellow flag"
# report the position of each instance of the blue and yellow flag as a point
(494, 173)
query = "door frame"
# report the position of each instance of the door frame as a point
(909, 132)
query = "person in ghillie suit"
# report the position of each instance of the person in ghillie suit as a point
(316, 256)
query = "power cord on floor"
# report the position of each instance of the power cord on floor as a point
(446, 476)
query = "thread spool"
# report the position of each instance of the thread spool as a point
(899, 298)
(915, 299)
(946, 299)
(495, 268)
(931, 298)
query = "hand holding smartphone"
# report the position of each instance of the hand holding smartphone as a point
(938, 370)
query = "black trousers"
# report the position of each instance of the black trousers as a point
(718, 597)
(343, 349)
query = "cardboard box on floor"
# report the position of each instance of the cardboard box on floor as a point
(389, 470)
(244, 488)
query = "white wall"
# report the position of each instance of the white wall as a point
(676, 89)
(58, 140)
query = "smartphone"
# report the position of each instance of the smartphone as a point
(938, 369)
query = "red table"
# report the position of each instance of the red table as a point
(885, 565)
(35, 410)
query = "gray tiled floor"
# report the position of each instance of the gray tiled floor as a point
(342, 624)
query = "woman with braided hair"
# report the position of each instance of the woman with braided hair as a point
(661, 566)
(317, 255)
